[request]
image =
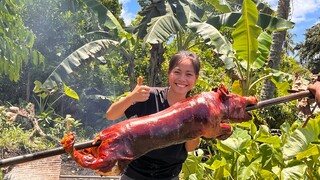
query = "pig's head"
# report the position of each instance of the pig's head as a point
(222, 131)
(234, 106)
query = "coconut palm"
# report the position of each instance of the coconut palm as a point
(278, 38)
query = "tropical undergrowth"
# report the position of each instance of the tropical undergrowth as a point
(253, 152)
(18, 136)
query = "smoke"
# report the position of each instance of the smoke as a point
(60, 28)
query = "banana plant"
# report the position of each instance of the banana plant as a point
(116, 38)
(87, 53)
(251, 44)
(163, 19)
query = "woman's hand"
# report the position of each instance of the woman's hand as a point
(315, 89)
(140, 93)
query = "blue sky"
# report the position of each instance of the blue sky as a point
(304, 13)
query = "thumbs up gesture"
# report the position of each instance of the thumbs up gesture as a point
(141, 92)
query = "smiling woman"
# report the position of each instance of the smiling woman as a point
(166, 162)
(183, 73)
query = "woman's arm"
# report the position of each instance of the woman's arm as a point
(192, 144)
(117, 109)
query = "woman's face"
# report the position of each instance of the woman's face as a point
(182, 78)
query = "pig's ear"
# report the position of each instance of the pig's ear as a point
(221, 88)
(223, 91)
(215, 89)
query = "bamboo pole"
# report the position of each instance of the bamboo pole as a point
(43, 154)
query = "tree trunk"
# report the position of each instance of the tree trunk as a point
(28, 92)
(36, 128)
(278, 38)
(131, 75)
(156, 59)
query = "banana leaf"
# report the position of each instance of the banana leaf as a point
(85, 54)
(265, 21)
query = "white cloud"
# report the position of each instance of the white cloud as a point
(304, 13)
(272, 3)
(124, 1)
(300, 9)
(125, 14)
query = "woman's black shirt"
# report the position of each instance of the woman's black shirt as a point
(164, 163)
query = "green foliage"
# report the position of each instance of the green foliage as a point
(168, 21)
(250, 48)
(213, 73)
(291, 66)
(276, 115)
(13, 137)
(17, 138)
(96, 50)
(85, 54)
(70, 92)
(105, 16)
(222, 6)
(309, 49)
(221, 44)
(115, 7)
(63, 29)
(17, 41)
(58, 126)
(161, 19)
(44, 102)
(59, 27)
(303, 142)
(257, 154)
(193, 167)
(50, 122)
(246, 35)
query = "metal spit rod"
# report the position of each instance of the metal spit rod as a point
(279, 100)
(88, 144)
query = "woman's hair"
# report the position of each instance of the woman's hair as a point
(176, 58)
